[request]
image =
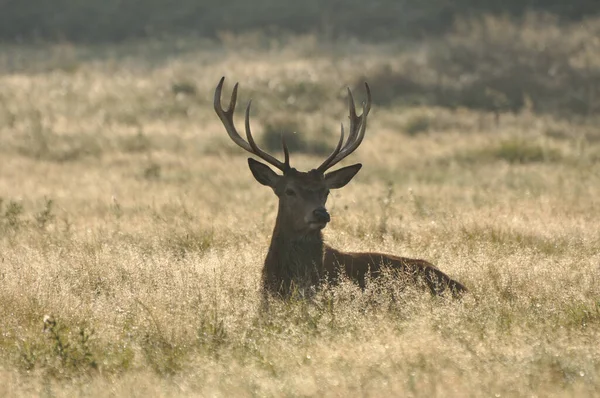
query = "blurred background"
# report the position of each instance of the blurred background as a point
(485, 54)
(162, 61)
(116, 20)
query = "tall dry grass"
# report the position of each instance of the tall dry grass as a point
(132, 234)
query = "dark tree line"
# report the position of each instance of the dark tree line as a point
(113, 20)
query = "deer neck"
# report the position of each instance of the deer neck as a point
(295, 260)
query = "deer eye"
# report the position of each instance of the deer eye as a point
(290, 192)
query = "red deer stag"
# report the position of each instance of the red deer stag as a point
(297, 257)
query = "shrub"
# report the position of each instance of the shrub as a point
(521, 151)
(515, 151)
(317, 143)
(10, 215)
(497, 64)
(418, 123)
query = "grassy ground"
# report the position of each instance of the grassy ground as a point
(132, 233)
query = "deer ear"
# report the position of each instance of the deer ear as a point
(341, 177)
(263, 173)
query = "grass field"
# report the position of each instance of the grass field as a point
(132, 233)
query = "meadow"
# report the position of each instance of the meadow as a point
(132, 234)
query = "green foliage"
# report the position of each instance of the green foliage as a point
(583, 314)
(11, 215)
(211, 332)
(70, 352)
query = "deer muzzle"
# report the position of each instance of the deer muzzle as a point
(319, 218)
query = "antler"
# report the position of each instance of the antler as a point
(226, 117)
(358, 126)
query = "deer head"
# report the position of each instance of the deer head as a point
(302, 195)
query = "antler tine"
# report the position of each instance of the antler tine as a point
(358, 126)
(226, 117)
(286, 152)
(259, 152)
(354, 120)
(325, 165)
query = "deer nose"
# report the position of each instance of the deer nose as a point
(321, 215)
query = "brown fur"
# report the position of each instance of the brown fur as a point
(299, 260)
(297, 264)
